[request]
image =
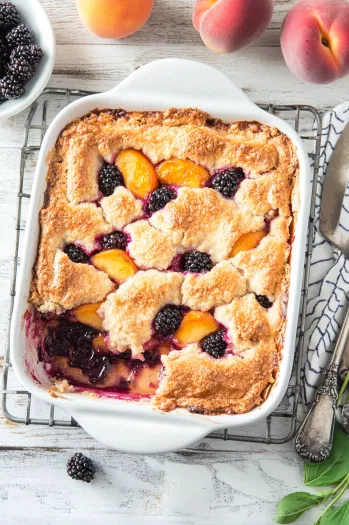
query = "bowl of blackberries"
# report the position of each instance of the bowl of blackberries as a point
(27, 54)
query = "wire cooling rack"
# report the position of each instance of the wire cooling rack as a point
(20, 406)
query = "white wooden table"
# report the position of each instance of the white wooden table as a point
(217, 483)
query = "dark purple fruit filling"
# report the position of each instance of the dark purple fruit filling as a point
(227, 181)
(264, 301)
(98, 372)
(61, 339)
(152, 358)
(76, 332)
(94, 365)
(83, 356)
(196, 262)
(215, 344)
(76, 254)
(113, 240)
(74, 342)
(159, 198)
(168, 320)
(109, 178)
(56, 344)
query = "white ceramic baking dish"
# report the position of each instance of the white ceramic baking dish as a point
(132, 426)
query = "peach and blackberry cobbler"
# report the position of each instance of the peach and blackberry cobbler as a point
(163, 263)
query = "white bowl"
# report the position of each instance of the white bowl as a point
(34, 15)
(132, 426)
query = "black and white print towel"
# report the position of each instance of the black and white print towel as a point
(329, 276)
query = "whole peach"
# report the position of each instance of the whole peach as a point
(114, 18)
(228, 25)
(315, 40)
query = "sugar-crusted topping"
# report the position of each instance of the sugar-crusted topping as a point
(75, 283)
(129, 312)
(83, 163)
(219, 286)
(264, 265)
(149, 247)
(121, 208)
(246, 321)
(193, 379)
(204, 220)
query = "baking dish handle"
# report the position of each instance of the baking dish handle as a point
(156, 434)
(174, 78)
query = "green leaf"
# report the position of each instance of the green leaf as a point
(334, 468)
(294, 505)
(336, 516)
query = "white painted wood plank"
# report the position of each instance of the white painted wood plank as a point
(170, 23)
(190, 488)
(266, 79)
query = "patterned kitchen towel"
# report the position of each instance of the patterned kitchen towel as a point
(329, 276)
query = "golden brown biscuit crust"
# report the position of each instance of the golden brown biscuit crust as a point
(202, 219)
(192, 379)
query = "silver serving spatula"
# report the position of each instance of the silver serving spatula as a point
(313, 440)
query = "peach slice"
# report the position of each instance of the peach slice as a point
(182, 173)
(138, 172)
(194, 326)
(98, 343)
(164, 349)
(247, 241)
(116, 263)
(87, 314)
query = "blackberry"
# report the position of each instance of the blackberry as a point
(21, 69)
(114, 240)
(76, 332)
(8, 15)
(76, 254)
(19, 36)
(4, 49)
(264, 301)
(168, 320)
(109, 178)
(159, 198)
(214, 344)
(81, 468)
(33, 54)
(196, 262)
(227, 181)
(11, 87)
